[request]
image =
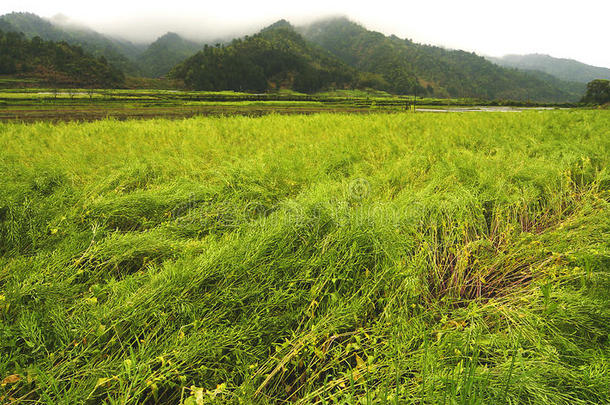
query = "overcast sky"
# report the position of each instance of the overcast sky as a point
(568, 29)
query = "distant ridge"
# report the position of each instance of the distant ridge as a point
(564, 69)
(328, 54)
(115, 51)
(432, 70)
(165, 53)
(54, 63)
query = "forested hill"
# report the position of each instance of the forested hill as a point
(410, 67)
(334, 53)
(165, 53)
(55, 63)
(115, 51)
(6, 26)
(564, 69)
(275, 57)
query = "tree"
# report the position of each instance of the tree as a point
(598, 92)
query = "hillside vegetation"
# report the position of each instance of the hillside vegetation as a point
(329, 55)
(276, 57)
(118, 52)
(410, 67)
(598, 92)
(564, 69)
(403, 258)
(55, 63)
(165, 53)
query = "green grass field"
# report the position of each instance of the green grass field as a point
(327, 259)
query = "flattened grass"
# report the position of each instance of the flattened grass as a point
(458, 258)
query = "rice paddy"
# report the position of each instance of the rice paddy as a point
(318, 259)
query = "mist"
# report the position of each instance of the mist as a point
(566, 30)
(198, 28)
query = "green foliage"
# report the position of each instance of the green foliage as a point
(277, 57)
(5, 26)
(564, 69)
(598, 92)
(404, 258)
(341, 55)
(56, 63)
(409, 67)
(573, 89)
(116, 52)
(165, 53)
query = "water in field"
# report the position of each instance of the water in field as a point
(481, 109)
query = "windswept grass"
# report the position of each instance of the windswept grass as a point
(406, 258)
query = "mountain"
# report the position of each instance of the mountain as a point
(410, 67)
(165, 53)
(576, 89)
(327, 54)
(276, 57)
(113, 50)
(564, 69)
(55, 63)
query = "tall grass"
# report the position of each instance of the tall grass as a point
(408, 258)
